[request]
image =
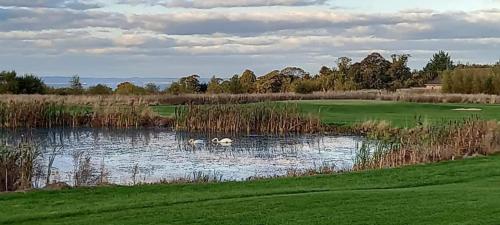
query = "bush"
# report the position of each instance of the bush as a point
(305, 87)
(100, 89)
(472, 81)
(127, 88)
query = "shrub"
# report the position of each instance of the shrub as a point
(305, 87)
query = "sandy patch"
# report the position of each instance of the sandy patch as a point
(467, 109)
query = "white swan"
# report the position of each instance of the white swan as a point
(195, 142)
(222, 141)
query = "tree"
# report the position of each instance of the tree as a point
(233, 85)
(371, 72)
(174, 89)
(270, 83)
(186, 85)
(289, 75)
(341, 80)
(214, 86)
(100, 89)
(304, 86)
(30, 84)
(8, 82)
(152, 88)
(75, 85)
(326, 79)
(127, 88)
(247, 81)
(439, 62)
(399, 72)
(294, 72)
(344, 64)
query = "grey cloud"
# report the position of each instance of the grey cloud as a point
(47, 18)
(421, 25)
(204, 4)
(70, 4)
(245, 38)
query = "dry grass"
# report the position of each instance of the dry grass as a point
(426, 144)
(252, 118)
(17, 165)
(428, 97)
(44, 111)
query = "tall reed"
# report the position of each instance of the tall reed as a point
(48, 113)
(17, 165)
(431, 143)
(407, 96)
(250, 118)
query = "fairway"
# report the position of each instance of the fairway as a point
(399, 114)
(457, 192)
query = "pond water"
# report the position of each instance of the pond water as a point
(158, 154)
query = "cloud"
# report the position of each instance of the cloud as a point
(13, 19)
(265, 38)
(70, 4)
(205, 4)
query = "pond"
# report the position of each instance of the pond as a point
(153, 155)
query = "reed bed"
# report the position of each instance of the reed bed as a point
(427, 144)
(264, 118)
(20, 113)
(407, 96)
(17, 165)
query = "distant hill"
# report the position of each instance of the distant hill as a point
(58, 82)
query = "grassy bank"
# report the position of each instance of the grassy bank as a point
(456, 192)
(400, 114)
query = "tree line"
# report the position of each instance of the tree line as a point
(373, 72)
(10, 83)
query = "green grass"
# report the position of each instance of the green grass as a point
(399, 114)
(457, 192)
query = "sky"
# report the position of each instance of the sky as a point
(174, 38)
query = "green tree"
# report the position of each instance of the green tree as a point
(30, 84)
(186, 85)
(371, 72)
(100, 89)
(270, 83)
(233, 85)
(291, 75)
(439, 62)
(304, 86)
(326, 79)
(399, 73)
(8, 82)
(152, 88)
(341, 80)
(214, 86)
(174, 89)
(247, 81)
(127, 88)
(76, 86)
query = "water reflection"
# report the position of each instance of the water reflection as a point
(150, 155)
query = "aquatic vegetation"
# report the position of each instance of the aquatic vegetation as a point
(250, 118)
(84, 172)
(431, 143)
(18, 164)
(196, 177)
(19, 113)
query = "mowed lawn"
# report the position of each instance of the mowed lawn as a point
(456, 192)
(400, 114)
